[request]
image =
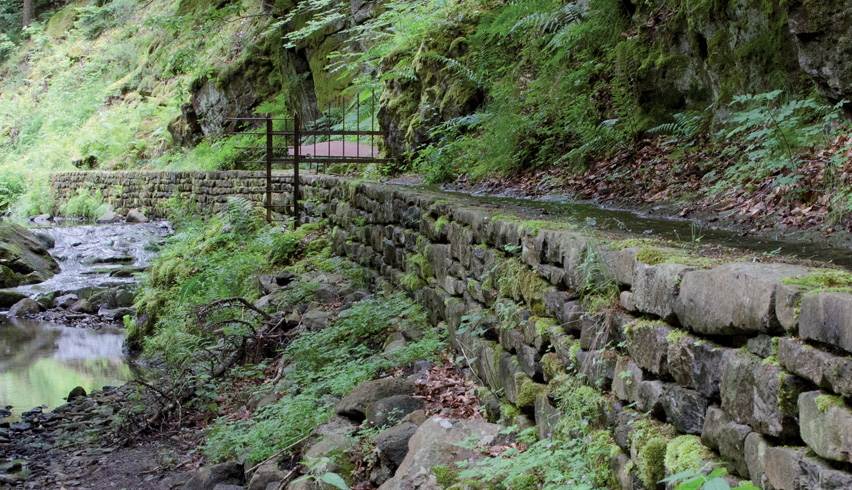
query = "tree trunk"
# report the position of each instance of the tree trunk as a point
(28, 12)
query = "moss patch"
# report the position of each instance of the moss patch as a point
(824, 402)
(528, 392)
(686, 453)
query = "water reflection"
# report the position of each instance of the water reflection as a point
(40, 362)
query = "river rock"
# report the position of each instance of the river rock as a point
(354, 405)
(109, 217)
(46, 240)
(23, 253)
(9, 298)
(83, 306)
(24, 307)
(135, 216)
(65, 301)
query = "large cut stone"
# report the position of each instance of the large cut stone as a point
(788, 468)
(695, 363)
(728, 438)
(755, 457)
(625, 383)
(648, 345)
(827, 317)
(760, 394)
(823, 369)
(826, 425)
(656, 288)
(737, 298)
(684, 408)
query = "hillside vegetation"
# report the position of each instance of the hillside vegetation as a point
(737, 97)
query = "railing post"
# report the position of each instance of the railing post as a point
(296, 142)
(269, 154)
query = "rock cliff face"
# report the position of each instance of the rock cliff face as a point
(822, 29)
(681, 54)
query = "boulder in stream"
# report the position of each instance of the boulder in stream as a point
(109, 217)
(135, 216)
(24, 255)
(24, 307)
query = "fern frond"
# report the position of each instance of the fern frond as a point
(458, 67)
(548, 22)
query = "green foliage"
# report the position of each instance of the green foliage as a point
(706, 478)
(11, 187)
(574, 456)
(774, 134)
(333, 360)
(84, 205)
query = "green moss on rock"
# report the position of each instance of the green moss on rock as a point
(686, 453)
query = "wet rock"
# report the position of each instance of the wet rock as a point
(390, 411)
(83, 306)
(354, 405)
(76, 392)
(24, 307)
(135, 216)
(109, 217)
(229, 473)
(46, 240)
(24, 254)
(9, 298)
(736, 298)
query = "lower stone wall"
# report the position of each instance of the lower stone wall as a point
(694, 360)
(155, 192)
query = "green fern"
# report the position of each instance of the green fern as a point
(548, 22)
(242, 214)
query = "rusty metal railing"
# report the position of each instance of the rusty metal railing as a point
(318, 144)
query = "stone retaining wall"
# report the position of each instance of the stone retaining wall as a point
(728, 357)
(154, 192)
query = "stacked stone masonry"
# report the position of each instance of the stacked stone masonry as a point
(156, 192)
(755, 368)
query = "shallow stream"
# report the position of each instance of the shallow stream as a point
(41, 362)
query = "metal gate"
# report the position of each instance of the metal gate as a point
(318, 144)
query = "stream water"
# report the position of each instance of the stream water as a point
(679, 230)
(40, 362)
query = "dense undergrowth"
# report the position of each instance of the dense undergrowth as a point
(472, 88)
(221, 258)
